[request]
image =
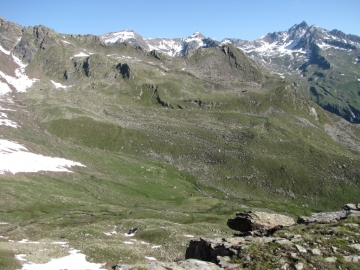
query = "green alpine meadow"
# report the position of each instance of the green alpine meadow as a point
(169, 143)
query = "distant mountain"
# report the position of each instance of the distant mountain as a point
(298, 43)
(323, 64)
(170, 46)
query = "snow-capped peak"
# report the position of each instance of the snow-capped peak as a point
(197, 36)
(118, 36)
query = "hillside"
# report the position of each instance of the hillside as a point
(171, 145)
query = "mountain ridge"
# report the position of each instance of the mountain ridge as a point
(290, 54)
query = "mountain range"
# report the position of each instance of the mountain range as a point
(104, 134)
(325, 64)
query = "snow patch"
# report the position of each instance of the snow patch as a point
(3, 223)
(4, 51)
(155, 247)
(150, 258)
(6, 122)
(4, 88)
(128, 243)
(225, 41)
(20, 257)
(75, 260)
(60, 243)
(80, 54)
(15, 158)
(66, 42)
(21, 82)
(59, 85)
(63, 244)
(189, 235)
(26, 241)
(313, 112)
(110, 233)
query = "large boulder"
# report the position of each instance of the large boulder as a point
(259, 222)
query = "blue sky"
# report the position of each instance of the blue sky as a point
(218, 19)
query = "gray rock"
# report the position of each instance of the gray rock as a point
(122, 267)
(284, 242)
(261, 222)
(357, 246)
(352, 258)
(209, 249)
(299, 266)
(180, 265)
(225, 262)
(183, 265)
(351, 206)
(316, 251)
(323, 217)
(354, 213)
(301, 249)
(330, 259)
(351, 225)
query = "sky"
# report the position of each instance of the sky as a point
(217, 19)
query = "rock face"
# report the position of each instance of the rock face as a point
(10, 34)
(259, 223)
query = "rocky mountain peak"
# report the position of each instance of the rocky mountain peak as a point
(303, 24)
(197, 34)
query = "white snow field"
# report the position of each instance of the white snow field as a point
(15, 158)
(74, 261)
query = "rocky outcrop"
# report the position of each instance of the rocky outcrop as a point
(259, 223)
(321, 245)
(328, 245)
(10, 33)
(25, 50)
(180, 265)
(124, 70)
(348, 210)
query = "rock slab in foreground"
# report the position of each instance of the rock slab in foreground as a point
(180, 265)
(261, 222)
